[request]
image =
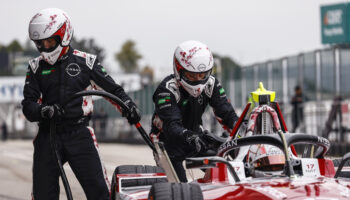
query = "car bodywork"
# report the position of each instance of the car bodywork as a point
(314, 177)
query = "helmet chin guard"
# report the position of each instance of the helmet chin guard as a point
(196, 58)
(53, 56)
(193, 90)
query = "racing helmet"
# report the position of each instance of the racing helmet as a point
(51, 23)
(193, 63)
(265, 160)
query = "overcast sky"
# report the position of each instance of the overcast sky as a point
(249, 31)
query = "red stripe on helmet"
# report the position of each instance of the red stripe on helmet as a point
(179, 67)
(61, 31)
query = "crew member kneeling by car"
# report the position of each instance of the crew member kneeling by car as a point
(181, 99)
(59, 72)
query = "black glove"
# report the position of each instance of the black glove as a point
(213, 141)
(194, 139)
(133, 115)
(50, 112)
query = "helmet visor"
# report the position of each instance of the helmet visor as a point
(270, 163)
(48, 44)
(195, 78)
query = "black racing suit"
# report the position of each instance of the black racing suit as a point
(176, 111)
(51, 84)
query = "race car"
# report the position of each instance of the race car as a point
(257, 161)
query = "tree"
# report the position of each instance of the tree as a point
(128, 57)
(14, 46)
(2, 48)
(29, 49)
(89, 46)
(147, 74)
(230, 70)
(229, 66)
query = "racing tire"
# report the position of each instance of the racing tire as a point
(135, 169)
(175, 191)
(345, 174)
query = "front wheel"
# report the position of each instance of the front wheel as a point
(175, 191)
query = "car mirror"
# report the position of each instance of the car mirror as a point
(203, 162)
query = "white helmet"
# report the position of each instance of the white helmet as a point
(51, 23)
(194, 58)
(266, 160)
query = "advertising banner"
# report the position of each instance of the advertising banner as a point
(11, 89)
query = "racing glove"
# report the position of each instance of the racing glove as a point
(212, 140)
(194, 138)
(133, 114)
(50, 112)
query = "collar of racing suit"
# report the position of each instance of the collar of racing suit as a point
(66, 55)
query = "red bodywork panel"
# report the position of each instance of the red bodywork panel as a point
(240, 120)
(279, 113)
(270, 189)
(326, 167)
(280, 188)
(217, 174)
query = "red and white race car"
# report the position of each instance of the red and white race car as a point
(257, 161)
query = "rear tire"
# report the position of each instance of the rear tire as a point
(175, 191)
(135, 169)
